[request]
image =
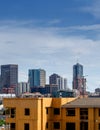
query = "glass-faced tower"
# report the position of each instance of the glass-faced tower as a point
(78, 78)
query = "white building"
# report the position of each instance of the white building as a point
(62, 83)
(23, 87)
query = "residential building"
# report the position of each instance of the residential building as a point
(52, 113)
(9, 76)
(37, 77)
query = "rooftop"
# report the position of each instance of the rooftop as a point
(83, 103)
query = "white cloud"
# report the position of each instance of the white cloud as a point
(93, 9)
(46, 48)
(94, 27)
(55, 21)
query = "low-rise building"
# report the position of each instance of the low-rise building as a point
(52, 113)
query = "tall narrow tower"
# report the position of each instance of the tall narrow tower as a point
(78, 78)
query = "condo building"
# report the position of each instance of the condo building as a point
(28, 113)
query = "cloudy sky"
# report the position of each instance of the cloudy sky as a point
(52, 35)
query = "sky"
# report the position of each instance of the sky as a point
(51, 35)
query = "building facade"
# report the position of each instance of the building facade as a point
(9, 76)
(52, 113)
(37, 77)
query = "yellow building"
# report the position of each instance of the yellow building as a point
(52, 113)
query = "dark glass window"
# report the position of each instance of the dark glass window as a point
(26, 126)
(56, 111)
(70, 112)
(56, 125)
(27, 111)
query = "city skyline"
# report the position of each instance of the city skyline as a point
(52, 35)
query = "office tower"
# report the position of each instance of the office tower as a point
(65, 83)
(79, 82)
(37, 77)
(62, 83)
(23, 87)
(53, 78)
(58, 80)
(9, 76)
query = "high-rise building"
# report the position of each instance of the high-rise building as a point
(23, 87)
(53, 78)
(58, 80)
(62, 83)
(77, 70)
(79, 82)
(65, 83)
(9, 76)
(37, 77)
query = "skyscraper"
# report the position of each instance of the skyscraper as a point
(79, 82)
(37, 77)
(53, 78)
(23, 87)
(9, 75)
(58, 80)
(77, 71)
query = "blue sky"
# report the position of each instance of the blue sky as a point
(51, 35)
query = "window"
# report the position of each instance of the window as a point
(99, 112)
(99, 126)
(70, 112)
(46, 110)
(26, 126)
(47, 125)
(56, 125)
(83, 125)
(27, 111)
(70, 126)
(13, 112)
(84, 113)
(56, 111)
(12, 125)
